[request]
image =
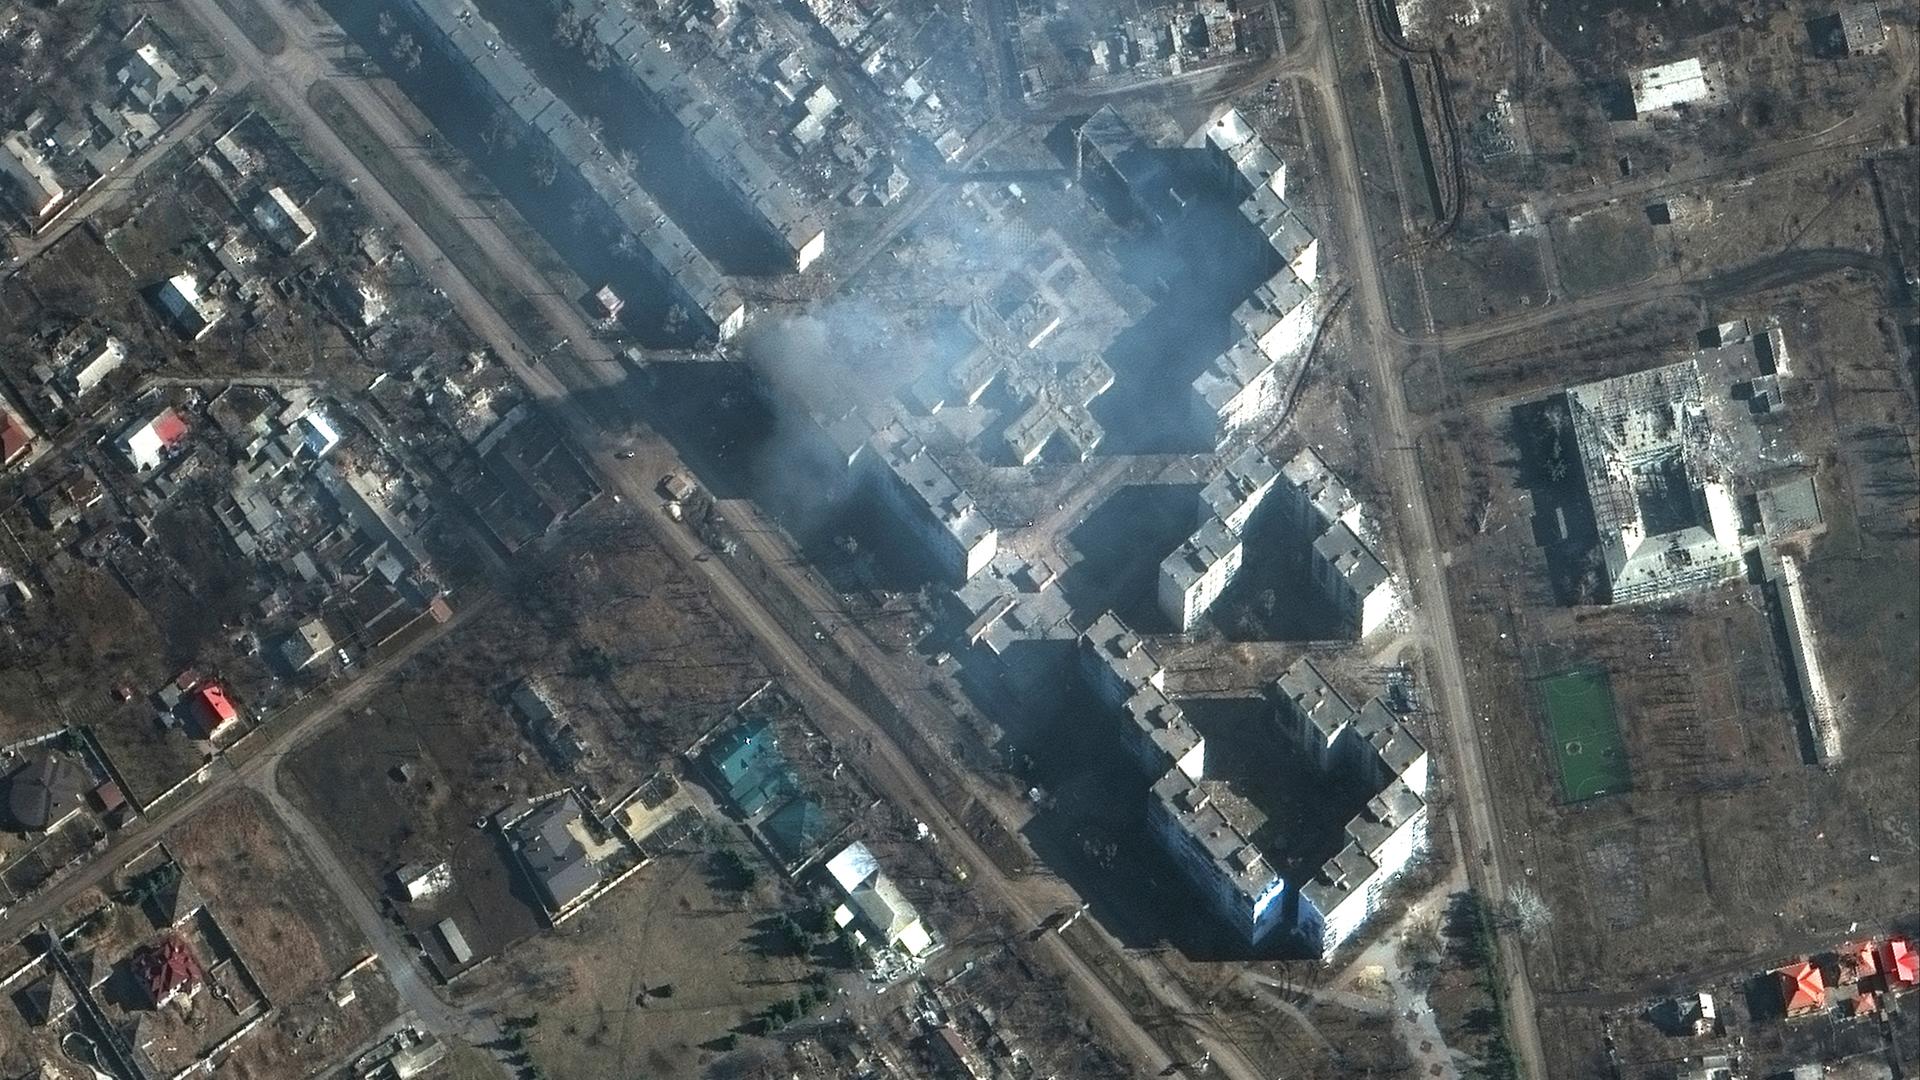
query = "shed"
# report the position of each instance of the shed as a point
(455, 941)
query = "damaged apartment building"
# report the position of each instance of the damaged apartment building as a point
(505, 82)
(1318, 511)
(1315, 885)
(710, 135)
(1276, 324)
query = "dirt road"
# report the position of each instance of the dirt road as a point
(287, 733)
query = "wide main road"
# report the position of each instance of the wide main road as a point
(313, 53)
(1397, 435)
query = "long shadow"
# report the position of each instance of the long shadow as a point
(1274, 597)
(1120, 545)
(1547, 464)
(545, 192)
(678, 179)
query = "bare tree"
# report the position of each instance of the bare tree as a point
(1526, 910)
(545, 170)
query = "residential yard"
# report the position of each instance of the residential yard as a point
(290, 932)
(655, 978)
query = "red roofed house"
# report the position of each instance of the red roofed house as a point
(215, 710)
(1900, 964)
(1856, 962)
(145, 444)
(167, 969)
(14, 440)
(1803, 988)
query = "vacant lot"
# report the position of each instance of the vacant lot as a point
(629, 650)
(649, 978)
(1726, 852)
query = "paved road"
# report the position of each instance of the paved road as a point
(286, 733)
(1397, 429)
(286, 78)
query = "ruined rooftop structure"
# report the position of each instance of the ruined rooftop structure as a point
(1666, 519)
(711, 132)
(953, 530)
(499, 74)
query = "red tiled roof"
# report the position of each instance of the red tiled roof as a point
(214, 700)
(169, 427)
(1900, 962)
(168, 967)
(14, 440)
(1805, 988)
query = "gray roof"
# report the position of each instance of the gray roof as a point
(1231, 852)
(1206, 548)
(497, 69)
(456, 941)
(1351, 559)
(1340, 878)
(1308, 474)
(1385, 814)
(713, 132)
(1121, 651)
(1389, 739)
(1231, 372)
(553, 856)
(1159, 720)
(1304, 692)
(907, 458)
(1246, 478)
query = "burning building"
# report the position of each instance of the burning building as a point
(955, 535)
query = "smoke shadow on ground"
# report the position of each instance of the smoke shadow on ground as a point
(1119, 546)
(1546, 464)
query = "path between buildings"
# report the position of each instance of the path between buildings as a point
(1400, 458)
(888, 768)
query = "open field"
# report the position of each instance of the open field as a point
(287, 927)
(657, 974)
(1593, 762)
(1727, 852)
(628, 649)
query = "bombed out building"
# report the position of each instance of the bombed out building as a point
(503, 81)
(1314, 885)
(710, 135)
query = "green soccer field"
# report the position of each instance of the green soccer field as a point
(1586, 734)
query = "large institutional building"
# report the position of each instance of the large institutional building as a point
(1667, 522)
